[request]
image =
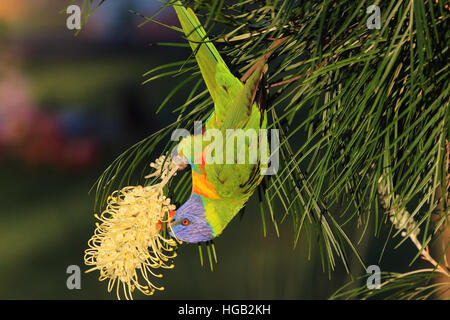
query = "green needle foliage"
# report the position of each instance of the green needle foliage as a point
(352, 105)
(415, 285)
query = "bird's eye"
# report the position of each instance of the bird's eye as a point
(185, 222)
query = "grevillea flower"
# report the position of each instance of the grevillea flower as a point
(128, 242)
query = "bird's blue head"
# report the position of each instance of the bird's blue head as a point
(189, 223)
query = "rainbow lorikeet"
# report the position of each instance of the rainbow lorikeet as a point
(219, 189)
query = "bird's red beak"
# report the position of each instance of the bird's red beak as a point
(159, 225)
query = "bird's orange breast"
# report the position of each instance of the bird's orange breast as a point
(203, 187)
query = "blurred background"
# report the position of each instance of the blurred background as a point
(68, 106)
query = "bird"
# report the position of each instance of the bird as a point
(220, 189)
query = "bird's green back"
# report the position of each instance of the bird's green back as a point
(228, 186)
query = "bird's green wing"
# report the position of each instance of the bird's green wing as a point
(221, 83)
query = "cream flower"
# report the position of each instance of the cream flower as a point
(128, 243)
